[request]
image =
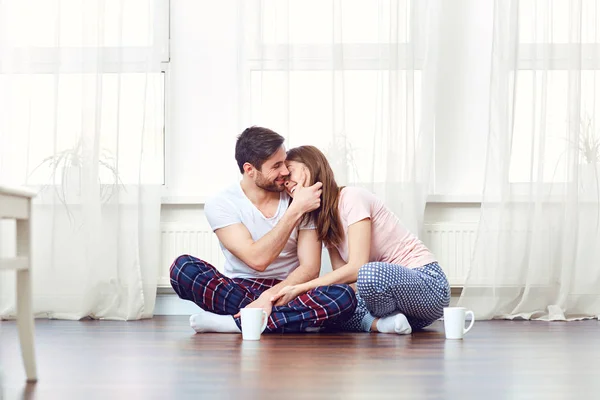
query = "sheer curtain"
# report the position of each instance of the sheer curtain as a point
(355, 78)
(537, 253)
(81, 122)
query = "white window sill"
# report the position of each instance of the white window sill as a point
(454, 198)
(184, 200)
(434, 198)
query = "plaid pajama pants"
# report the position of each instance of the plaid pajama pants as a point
(198, 281)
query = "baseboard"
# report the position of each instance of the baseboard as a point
(163, 289)
(171, 304)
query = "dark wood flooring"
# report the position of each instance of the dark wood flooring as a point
(163, 359)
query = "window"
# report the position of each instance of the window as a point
(102, 59)
(310, 118)
(336, 73)
(557, 86)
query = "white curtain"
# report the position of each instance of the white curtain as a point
(355, 78)
(537, 254)
(81, 122)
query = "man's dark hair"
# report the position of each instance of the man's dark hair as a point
(255, 145)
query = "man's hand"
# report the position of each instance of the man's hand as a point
(288, 294)
(264, 302)
(306, 199)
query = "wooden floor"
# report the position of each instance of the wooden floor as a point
(162, 359)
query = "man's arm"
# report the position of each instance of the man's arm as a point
(259, 254)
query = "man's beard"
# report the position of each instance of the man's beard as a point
(267, 185)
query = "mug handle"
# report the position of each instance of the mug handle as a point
(266, 318)
(472, 321)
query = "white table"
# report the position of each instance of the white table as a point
(16, 204)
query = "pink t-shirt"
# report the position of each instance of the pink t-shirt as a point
(391, 242)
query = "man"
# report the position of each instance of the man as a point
(266, 248)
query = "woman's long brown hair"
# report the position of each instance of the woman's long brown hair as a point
(326, 217)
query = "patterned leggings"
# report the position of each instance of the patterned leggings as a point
(384, 289)
(198, 281)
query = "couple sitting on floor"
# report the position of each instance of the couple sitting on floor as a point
(384, 279)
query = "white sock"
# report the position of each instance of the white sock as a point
(206, 321)
(394, 324)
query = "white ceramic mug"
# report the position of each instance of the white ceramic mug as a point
(254, 322)
(454, 322)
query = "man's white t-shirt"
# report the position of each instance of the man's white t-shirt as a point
(230, 207)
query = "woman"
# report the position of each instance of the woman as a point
(399, 284)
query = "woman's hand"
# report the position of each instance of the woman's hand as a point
(287, 294)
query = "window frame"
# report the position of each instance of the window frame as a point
(126, 59)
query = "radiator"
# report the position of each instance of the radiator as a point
(179, 238)
(452, 243)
